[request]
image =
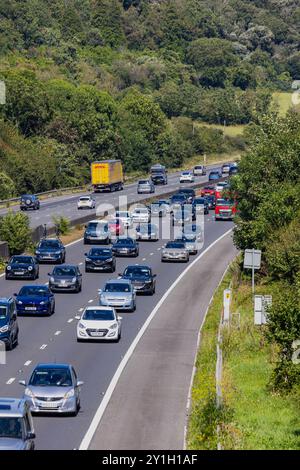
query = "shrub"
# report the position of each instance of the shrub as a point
(15, 230)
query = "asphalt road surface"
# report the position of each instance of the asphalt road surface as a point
(54, 338)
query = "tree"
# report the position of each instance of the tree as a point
(7, 186)
(15, 230)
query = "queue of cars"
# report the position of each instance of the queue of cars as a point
(55, 388)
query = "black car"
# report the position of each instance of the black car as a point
(211, 201)
(159, 178)
(9, 329)
(50, 250)
(141, 278)
(100, 259)
(200, 202)
(65, 278)
(178, 200)
(22, 267)
(233, 170)
(189, 192)
(29, 201)
(125, 247)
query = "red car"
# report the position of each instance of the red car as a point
(225, 209)
(116, 226)
(208, 190)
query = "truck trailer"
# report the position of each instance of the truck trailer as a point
(107, 175)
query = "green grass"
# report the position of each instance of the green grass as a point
(284, 102)
(261, 420)
(252, 416)
(229, 131)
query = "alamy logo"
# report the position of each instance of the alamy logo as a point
(296, 353)
(2, 353)
(296, 94)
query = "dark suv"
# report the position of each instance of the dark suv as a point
(50, 250)
(141, 277)
(9, 329)
(29, 201)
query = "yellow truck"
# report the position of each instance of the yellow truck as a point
(107, 175)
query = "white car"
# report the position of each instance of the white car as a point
(186, 177)
(140, 215)
(199, 170)
(99, 323)
(125, 217)
(220, 186)
(86, 202)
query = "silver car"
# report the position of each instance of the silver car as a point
(145, 187)
(16, 426)
(147, 232)
(190, 243)
(175, 251)
(182, 216)
(53, 388)
(118, 293)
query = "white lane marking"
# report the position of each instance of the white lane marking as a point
(27, 363)
(107, 396)
(43, 346)
(10, 381)
(70, 320)
(90, 301)
(151, 254)
(80, 309)
(57, 333)
(158, 249)
(144, 259)
(80, 264)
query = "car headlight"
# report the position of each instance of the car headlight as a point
(74, 279)
(19, 302)
(57, 252)
(42, 302)
(114, 326)
(29, 393)
(30, 268)
(88, 259)
(69, 394)
(52, 279)
(8, 268)
(37, 252)
(81, 325)
(109, 260)
(4, 329)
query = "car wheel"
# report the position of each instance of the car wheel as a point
(87, 270)
(113, 268)
(52, 309)
(133, 309)
(9, 345)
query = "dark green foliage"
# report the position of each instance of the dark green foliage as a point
(15, 230)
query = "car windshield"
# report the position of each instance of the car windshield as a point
(141, 211)
(39, 291)
(200, 200)
(52, 377)
(21, 260)
(95, 314)
(185, 173)
(133, 271)
(11, 428)
(93, 226)
(117, 287)
(125, 241)
(64, 271)
(178, 197)
(122, 214)
(84, 199)
(143, 182)
(3, 312)
(185, 238)
(161, 202)
(100, 252)
(175, 245)
(147, 228)
(50, 244)
(224, 202)
(198, 167)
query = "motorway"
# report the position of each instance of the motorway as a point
(54, 338)
(66, 205)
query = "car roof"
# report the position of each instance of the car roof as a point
(118, 281)
(144, 266)
(97, 221)
(98, 307)
(13, 407)
(36, 285)
(66, 266)
(52, 365)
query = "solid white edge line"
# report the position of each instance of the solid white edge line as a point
(103, 405)
(189, 398)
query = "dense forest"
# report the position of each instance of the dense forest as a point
(93, 79)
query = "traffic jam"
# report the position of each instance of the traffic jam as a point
(176, 220)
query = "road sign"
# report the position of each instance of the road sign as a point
(252, 259)
(261, 304)
(2, 92)
(226, 304)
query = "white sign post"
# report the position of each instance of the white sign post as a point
(226, 304)
(252, 260)
(2, 92)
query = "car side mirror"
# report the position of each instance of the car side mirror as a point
(77, 317)
(15, 294)
(154, 275)
(99, 291)
(22, 382)
(85, 254)
(49, 274)
(119, 318)
(30, 435)
(79, 383)
(120, 274)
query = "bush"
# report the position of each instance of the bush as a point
(15, 230)
(62, 224)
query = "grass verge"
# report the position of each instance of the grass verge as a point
(252, 417)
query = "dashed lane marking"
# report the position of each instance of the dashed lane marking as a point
(57, 333)
(70, 320)
(11, 380)
(27, 363)
(43, 346)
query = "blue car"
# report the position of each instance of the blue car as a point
(35, 299)
(50, 250)
(215, 175)
(9, 329)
